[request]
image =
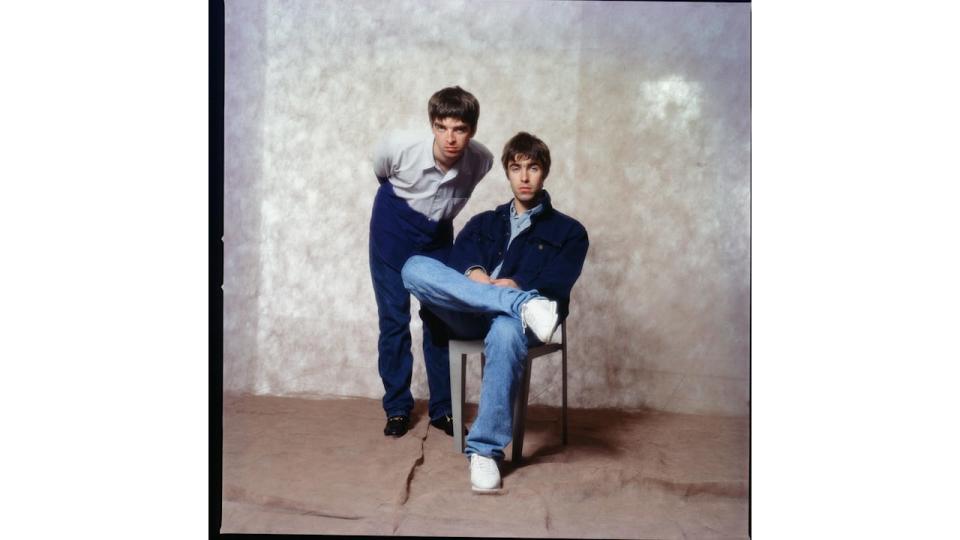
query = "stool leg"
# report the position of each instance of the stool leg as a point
(520, 412)
(563, 408)
(457, 392)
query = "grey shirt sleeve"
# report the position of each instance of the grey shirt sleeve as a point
(383, 158)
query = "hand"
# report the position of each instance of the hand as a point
(505, 282)
(480, 276)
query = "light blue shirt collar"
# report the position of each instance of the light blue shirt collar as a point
(518, 224)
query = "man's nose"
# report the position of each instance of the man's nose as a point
(450, 137)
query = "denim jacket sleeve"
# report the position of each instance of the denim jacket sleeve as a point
(467, 250)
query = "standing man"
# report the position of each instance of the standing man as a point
(424, 183)
(511, 270)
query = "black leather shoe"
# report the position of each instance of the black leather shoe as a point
(445, 423)
(397, 426)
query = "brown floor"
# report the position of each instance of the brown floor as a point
(323, 466)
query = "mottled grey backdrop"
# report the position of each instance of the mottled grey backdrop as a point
(646, 109)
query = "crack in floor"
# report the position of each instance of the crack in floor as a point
(735, 490)
(287, 506)
(413, 470)
(546, 509)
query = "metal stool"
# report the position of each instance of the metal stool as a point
(458, 361)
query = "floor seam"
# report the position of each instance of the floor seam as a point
(269, 502)
(410, 475)
(546, 511)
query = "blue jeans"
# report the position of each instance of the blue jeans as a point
(395, 361)
(474, 310)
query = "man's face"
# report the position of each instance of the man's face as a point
(526, 179)
(450, 138)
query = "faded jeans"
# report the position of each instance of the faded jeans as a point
(479, 311)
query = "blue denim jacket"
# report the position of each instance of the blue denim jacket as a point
(548, 256)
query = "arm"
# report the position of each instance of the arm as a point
(383, 160)
(467, 252)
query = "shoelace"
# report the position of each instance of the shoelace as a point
(486, 465)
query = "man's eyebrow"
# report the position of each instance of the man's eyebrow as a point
(533, 163)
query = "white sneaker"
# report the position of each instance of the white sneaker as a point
(540, 316)
(484, 474)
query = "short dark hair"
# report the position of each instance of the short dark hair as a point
(454, 102)
(527, 146)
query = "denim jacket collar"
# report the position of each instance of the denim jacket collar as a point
(504, 209)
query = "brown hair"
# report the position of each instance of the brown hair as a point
(526, 145)
(457, 103)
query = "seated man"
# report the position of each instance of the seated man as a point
(534, 254)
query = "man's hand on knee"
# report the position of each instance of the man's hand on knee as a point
(505, 282)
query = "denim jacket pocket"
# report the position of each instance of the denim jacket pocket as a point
(539, 252)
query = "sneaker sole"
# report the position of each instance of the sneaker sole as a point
(482, 490)
(552, 335)
(549, 337)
